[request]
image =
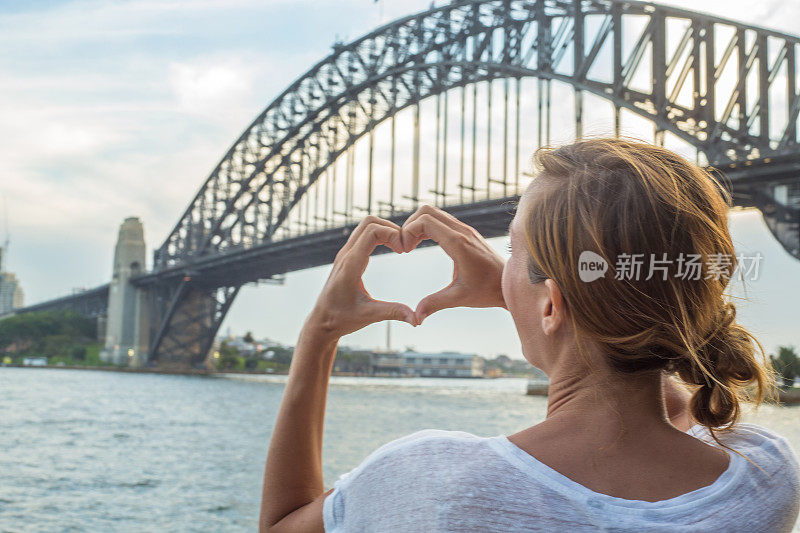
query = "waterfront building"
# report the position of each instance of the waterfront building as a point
(442, 364)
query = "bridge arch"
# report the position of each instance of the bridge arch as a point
(344, 97)
(422, 55)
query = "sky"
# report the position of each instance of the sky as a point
(122, 108)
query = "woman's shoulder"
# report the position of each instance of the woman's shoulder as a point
(741, 432)
(408, 474)
(426, 439)
(432, 435)
(420, 450)
(769, 448)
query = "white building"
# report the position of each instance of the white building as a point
(443, 364)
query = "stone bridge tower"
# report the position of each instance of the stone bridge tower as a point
(128, 310)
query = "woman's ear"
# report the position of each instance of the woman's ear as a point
(554, 313)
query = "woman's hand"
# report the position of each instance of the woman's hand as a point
(477, 268)
(344, 305)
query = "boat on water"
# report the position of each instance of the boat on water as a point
(537, 387)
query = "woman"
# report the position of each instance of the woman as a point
(624, 446)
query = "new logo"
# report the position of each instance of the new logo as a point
(591, 266)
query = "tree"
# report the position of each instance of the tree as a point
(79, 353)
(248, 338)
(787, 364)
(228, 357)
(352, 361)
(45, 331)
(280, 355)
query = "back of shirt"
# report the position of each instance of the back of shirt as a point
(437, 480)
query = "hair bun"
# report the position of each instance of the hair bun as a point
(723, 364)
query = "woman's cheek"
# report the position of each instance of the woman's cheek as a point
(504, 282)
(508, 282)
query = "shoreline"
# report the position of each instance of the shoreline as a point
(167, 371)
(187, 371)
(201, 372)
(785, 397)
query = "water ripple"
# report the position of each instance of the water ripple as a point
(103, 451)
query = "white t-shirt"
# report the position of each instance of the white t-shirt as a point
(437, 480)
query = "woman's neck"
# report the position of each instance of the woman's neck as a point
(601, 398)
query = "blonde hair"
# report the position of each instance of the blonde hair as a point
(614, 197)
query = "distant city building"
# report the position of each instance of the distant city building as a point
(11, 296)
(443, 364)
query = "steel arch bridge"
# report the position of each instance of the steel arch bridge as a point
(275, 204)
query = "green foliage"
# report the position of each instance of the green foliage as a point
(78, 353)
(249, 338)
(228, 357)
(352, 361)
(45, 333)
(267, 366)
(515, 367)
(787, 364)
(57, 346)
(64, 337)
(75, 355)
(282, 356)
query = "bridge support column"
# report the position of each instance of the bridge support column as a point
(186, 317)
(127, 325)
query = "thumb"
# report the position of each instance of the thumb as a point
(381, 310)
(443, 299)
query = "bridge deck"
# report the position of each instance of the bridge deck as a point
(490, 217)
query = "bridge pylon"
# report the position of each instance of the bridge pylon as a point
(127, 326)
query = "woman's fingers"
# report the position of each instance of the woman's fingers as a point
(371, 235)
(370, 219)
(428, 227)
(439, 214)
(380, 310)
(450, 296)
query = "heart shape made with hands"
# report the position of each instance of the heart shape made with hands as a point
(410, 277)
(476, 275)
(477, 268)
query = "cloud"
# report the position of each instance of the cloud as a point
(210, 86)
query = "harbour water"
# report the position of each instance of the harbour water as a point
(104, 451)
